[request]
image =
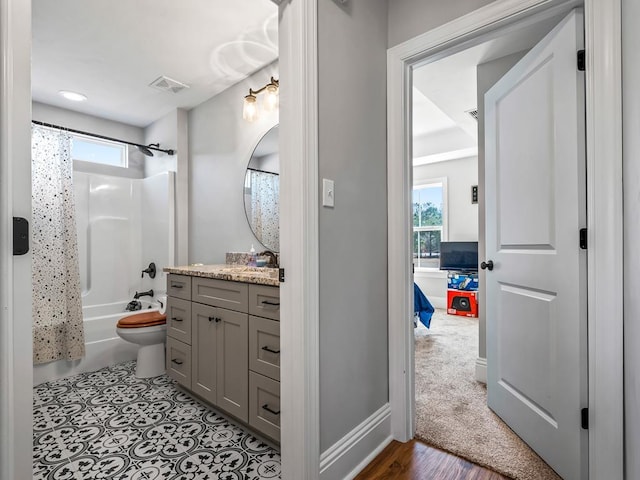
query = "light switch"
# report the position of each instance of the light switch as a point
(328, 194)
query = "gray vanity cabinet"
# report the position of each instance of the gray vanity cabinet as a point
(228, 352)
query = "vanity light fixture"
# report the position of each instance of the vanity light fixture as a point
(250, 110)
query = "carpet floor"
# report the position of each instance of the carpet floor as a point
(451, 406)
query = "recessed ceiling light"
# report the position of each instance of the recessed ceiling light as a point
(73, 96)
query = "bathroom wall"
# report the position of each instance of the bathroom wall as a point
(462, 215)
(171, 132)
(352, 66)
(409, 18)
(220, 146)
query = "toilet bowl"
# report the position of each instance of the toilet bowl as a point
(148, 330)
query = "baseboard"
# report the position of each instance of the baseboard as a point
(347, 457)
(439, 302)
(481, 370)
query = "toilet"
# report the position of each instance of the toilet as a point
(148, 330)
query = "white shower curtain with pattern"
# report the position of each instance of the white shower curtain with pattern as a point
(265, 207)
(58, 331)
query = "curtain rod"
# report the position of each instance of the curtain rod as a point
(262, 171)
(153, 146)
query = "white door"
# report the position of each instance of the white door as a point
(536, 291)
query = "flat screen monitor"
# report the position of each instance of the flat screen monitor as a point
(459, 256)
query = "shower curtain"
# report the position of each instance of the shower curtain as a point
(58, 332)
(265, 209)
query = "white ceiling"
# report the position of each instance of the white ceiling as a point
(111, 50)
(445, 90)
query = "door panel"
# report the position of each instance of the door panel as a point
(535, 207)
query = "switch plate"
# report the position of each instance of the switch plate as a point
(328, 193)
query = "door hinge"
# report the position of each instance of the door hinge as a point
(581, 60)
(583, 238)
(281, 275)
(584, 418)
(20, 236)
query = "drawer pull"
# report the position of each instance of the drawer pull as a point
(176, 285)
(176, 319)
(176, 361)
(267, 349)
(273, 304)
(266, 407)
(215, 319)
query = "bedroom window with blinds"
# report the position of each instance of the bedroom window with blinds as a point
(428, 223)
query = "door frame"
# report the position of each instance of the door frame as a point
(604, 211)
(16, 360)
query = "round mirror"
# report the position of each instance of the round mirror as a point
(262, 191)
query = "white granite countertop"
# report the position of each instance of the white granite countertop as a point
(234, 273)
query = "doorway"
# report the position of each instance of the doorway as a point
(450, 357)
(436, 45)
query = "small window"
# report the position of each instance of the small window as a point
(428, 224)
(95, 150)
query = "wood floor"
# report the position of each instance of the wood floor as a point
(415, 460)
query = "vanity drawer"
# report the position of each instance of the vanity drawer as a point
(264, 405)
(179, 361)
(220, 293)
(179, 319)
(264, 347)
(264, 301)
(179, 286)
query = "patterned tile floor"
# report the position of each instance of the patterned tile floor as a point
(111, 425)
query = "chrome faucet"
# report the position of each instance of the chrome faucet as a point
(273, 259)
(143, 294)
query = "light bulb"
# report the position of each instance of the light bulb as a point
(270, 102)
(250, 109)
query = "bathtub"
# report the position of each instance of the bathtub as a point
(103, 346)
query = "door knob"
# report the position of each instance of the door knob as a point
(487, 265)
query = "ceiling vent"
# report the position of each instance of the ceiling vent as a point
(167, 84)
(473, 113)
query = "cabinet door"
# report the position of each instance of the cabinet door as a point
(221, 293)
(206, 321)
(233, 363)
(179, 319)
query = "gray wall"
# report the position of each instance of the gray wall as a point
(353, 236)
(220, 146)
(409, 18)
(631, 176)
(487, 75)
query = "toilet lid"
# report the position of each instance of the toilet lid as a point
(139, 320)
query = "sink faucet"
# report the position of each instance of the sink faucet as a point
(273, 259)
(143, 294)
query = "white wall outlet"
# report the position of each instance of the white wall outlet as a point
(328, 194)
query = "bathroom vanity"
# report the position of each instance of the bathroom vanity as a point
(223, 339)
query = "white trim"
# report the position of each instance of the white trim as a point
(16, 360)
(481, 370)
(299, 335)
(446, 156)
(603, 37)
(604, 159)
(349, 455)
